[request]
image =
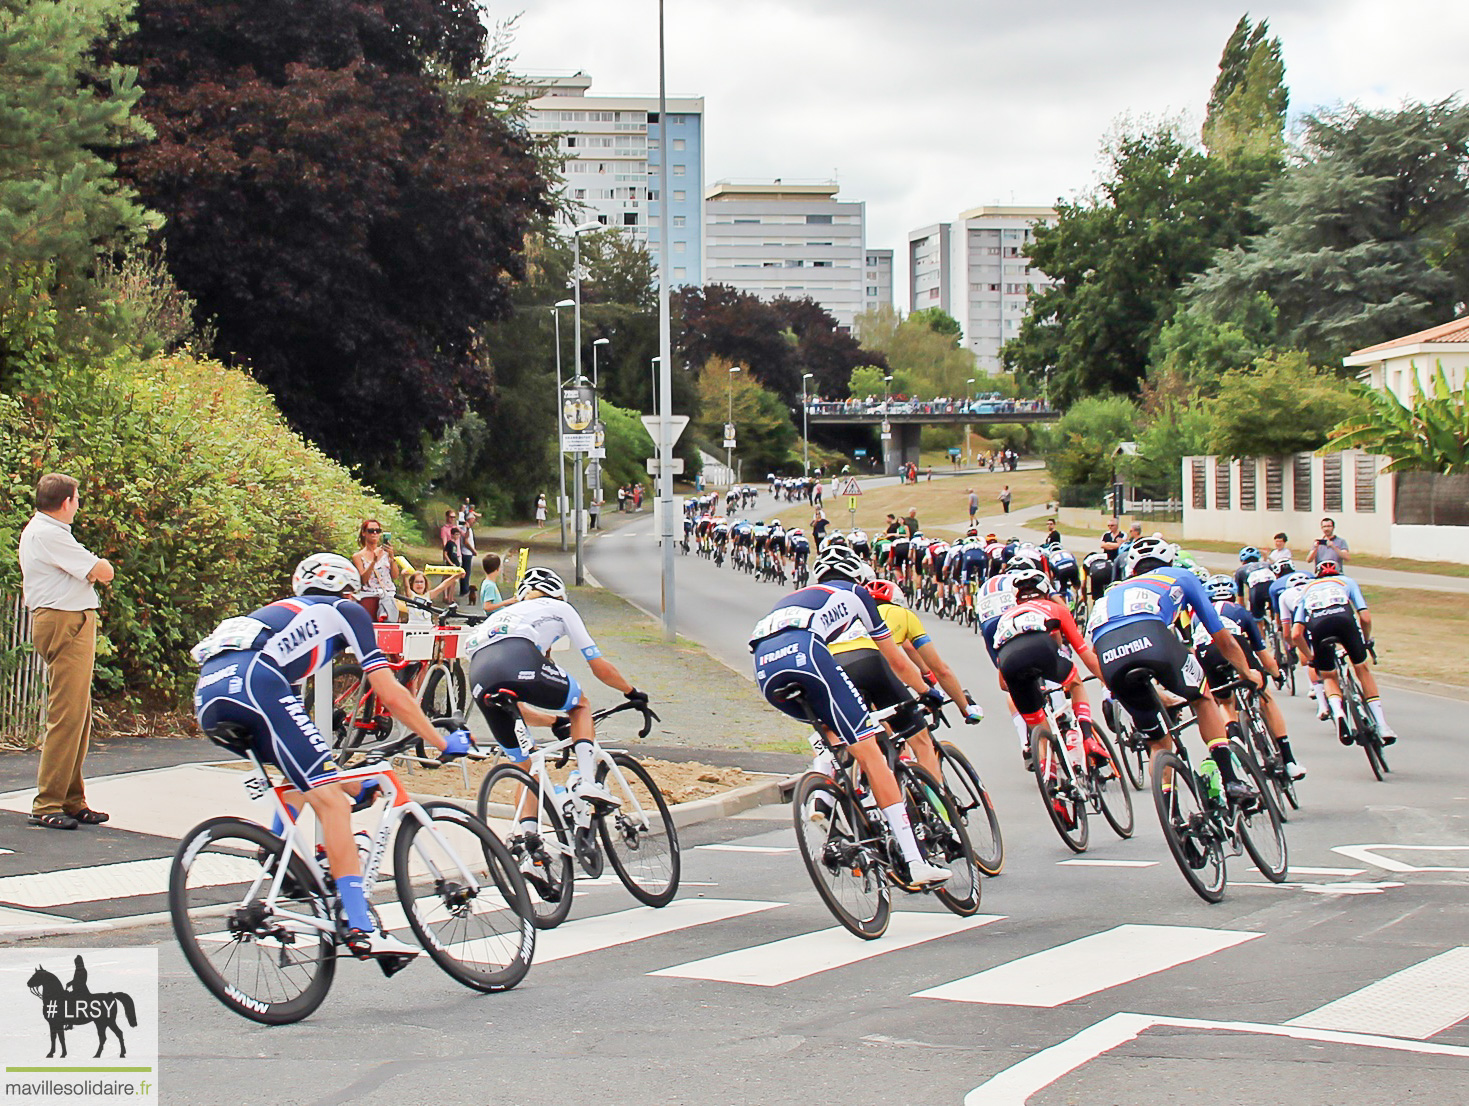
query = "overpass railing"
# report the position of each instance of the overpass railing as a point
(929, 407)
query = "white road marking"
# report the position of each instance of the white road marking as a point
(780, 962)
(117, 881)
(1016, 1084)
(1418, 1001)
(1102, 960)
(1367, 854)
(1293, 870)
(6, 852)
(625, 926)
(769, 849)
(1083, 862)
(10, 917)
(1322, 888)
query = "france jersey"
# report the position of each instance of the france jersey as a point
(298, 635)
(832, 611)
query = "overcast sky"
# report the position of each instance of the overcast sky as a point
(924, 108)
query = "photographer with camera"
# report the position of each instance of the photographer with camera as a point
(1329, 547)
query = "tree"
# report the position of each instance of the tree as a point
(866, 382)
(1246, 114)
(1198, 349)
(344, 217)
(1083, 440)
(1282, 404)
(1430, 436)
(765, 431)
(937, 320)
(923, 360)
(1368, 233)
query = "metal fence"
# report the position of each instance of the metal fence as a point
(22, 680)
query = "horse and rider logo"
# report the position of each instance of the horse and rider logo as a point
(67, 1006)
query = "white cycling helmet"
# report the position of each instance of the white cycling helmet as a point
(839, 560)
(326, 573)
(1028, 580)
(1155, 552)
(542, 580)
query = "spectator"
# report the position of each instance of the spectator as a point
(489, 591)
(379, 569)
(1329, 547)
(444, 529)
(1281, 552)
(930, 474)
(819, 523)
(541, 511)
(416, 586)
(893, 525)
(1112, 539)
(467, 549)
(1004, 498)
(911, 522)
(1134, 531)
(816, 494)
(452, 555)
(594, 510)
(57, 578)
(1053, 536)
(622, 497)
(637, 497)
(973, 504)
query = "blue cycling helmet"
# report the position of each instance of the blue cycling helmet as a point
(1220, 586)
(1248, 555)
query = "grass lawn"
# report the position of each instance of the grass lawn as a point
(1419, 633)
(942, 503)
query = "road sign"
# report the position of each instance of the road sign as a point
(654, 469)
(850, 487)
(578, 443)
(676, 424)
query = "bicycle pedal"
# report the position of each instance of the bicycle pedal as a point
(392, 965)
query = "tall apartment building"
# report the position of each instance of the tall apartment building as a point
(978, 269)
(877, 280)
(778, 239)
(613, 145)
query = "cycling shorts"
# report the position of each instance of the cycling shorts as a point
(1025, 661)
(1098, 578)
(246, 689)
(861, 548)
(514, 664)
(1219, 671)
(798, 657)
(898, 555)
(1068, 575)
(1260, 600)
(1334, 624)
(1132, 653)
(879, 685)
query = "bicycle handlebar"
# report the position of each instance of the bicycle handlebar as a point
(649, 715)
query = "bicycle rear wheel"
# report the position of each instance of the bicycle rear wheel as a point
(1268, 758)
(1359, 718)
(256, 959)
(1114, 798)
(640, 837)
(836, 847)
(464, 898)
(942, 838)
(1259, 821)
(1060, 790)
(1132, 755)
(545, 856)
(975, 808)
(1186, 826)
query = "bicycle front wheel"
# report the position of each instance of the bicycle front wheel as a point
(1060, 790)
(839, 856)
(506, 798)
(1259, 820)
(639, 836)
(975, 808)
(464, 897)
(258, 953)
(942, 838)
(1114, 798)
(1187, 827)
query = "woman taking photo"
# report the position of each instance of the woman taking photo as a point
(379, 571)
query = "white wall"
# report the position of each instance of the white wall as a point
(1431, 543)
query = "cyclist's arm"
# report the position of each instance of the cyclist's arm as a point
(928, 654)
(906, 670)
(1366, 617)
(403, 706)
(607, 672)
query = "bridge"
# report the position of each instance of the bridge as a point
(902, 421)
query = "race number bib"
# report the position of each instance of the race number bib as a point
(1323, 596)
(1015, 623)
(994, 604)
(785, 618)
(231, 634)
(1260, 576)
(1141, 601)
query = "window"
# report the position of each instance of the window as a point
(993, 251)
(678, 170)
(821, 264)
(1200, 487)
(795, 263)
(629, 218)
(1331, 489)
(746, 222)
(680, 220)
(992, 288)
(872, 289)
(680, 197)
(1248, 471)
(871, 276)
(571, 142)
(652, 117)
(1366, 484)
(1221, 483)
(678, 143)
(678, 247)
(818, 220)
(1301, 482)
(1274, 485)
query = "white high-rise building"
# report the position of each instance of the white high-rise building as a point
(788, 239)
(877, 280)
(978, 269)
(612, 145)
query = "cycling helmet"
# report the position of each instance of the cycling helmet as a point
(542, 580)
(1029, 579)
(797, 532)
(1147, 554)
(1248, 555)
(839, 560)
(918, 535)
(1220, 586)
(326, 574)
(1200, 571)
(1283, 568)
(1328, 568)
(885, 591)
(972, 532)
(1296, 579)
(1024, 562)
(775, 522)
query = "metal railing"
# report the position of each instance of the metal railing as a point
(22, 678)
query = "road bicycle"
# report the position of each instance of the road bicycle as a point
(1361, 725)
(801, 573)
(1129, 741)
(638, 836)
(259, 919)
(972, 800)
(1284, 652)
(1201, 825)
(1070, 791)
(1255, 735)
(846, 844)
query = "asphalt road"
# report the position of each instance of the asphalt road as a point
(1078, 983)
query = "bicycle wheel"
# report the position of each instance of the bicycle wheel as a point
(838, 851)
(975, 808)
(639, 836)
(1186, 826)
(440, 695)
(1269, 760)
(941, 837)
(1060, 790)
(1260, 822)
(257, 959)
(464, 898)
(1114, 798)
(545, 856)
(1127, 742)
(1363, 726)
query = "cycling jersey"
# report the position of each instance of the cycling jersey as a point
(1277, 589)
(973, 564)
(904, 624)
(1037, 615)
(1329, 593)
(1241, 625)
(834, 611)
(543, 622)
(996, 596)
(298, 635)
(1160, 595)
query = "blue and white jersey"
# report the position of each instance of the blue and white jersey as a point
(298, 635)
(974, 563)
(543, 621)
(1061, 559)
(1329, 593)
(833, 611)
(1157, 596)
(1238, 621)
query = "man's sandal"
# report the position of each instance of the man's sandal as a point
(89, 817)
(54, 821)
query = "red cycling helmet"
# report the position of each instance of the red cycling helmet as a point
(1328, 568)
(885, 591)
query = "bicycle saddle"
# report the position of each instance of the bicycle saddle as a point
(232, 736)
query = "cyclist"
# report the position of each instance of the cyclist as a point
(1065, 571)
(800, 550)
(1330, 608)
(1246, 630)
(1098, 574)
(775, 546)
(993, 598)
(791, 647)
(1249, 558)
(1253, 580)
(250, 668)
(857, 540)
(1286, 602)
(909, 633)
(1132, 632)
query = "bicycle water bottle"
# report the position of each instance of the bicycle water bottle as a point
(1212, 781)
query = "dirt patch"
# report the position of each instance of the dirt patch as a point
(680, 781)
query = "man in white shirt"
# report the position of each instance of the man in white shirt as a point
(58, 575)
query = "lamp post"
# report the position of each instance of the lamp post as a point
(598, 342)
(560, 455)
(653, 372)
(580, 481)
(728, 424)
(970, 382)
(805, 429)
(886, 434)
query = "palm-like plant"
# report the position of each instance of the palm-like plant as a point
(1431, 436)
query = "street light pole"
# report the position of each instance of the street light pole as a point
(665, 341)
(560, 453)
(805, 430)
(729, 422)
(970, 382)
(887, 446)
(578, 467)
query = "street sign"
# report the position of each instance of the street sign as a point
(850, 487)
(676, 424)
(655, 469)
(578, 443)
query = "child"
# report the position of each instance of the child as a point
(418, 589)
(489, 591)
(1280, 552)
